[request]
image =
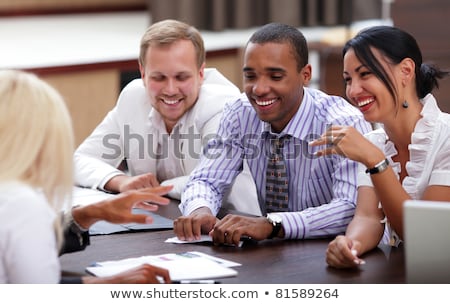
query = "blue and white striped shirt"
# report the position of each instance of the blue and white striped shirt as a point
(322, 190)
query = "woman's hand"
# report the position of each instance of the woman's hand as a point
(348, 142)
(342, 252)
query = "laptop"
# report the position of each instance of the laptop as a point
(427, 241)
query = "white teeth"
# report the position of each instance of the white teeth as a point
(170, 102)
(265, 102)
(365, 102)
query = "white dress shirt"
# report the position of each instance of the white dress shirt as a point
(134, 131)
(429, 156)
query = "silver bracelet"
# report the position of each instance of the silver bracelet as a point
(380, 167)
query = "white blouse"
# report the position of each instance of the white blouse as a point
(429, 155)
(28, 250)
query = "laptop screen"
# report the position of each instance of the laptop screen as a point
(427, 241)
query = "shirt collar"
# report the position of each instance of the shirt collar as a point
(157, 122)
(300, 124)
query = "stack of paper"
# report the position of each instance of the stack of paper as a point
(191, 265)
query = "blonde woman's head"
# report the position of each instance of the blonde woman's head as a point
(36, 135)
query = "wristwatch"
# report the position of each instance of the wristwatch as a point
(71, 225)
(275, 220)
(380, 167)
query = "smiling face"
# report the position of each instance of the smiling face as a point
(172, 79)
(272, 82)
(367, 92)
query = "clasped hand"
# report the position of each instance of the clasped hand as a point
(229, 230)
(232, 228)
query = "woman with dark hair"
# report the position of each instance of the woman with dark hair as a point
(408, 158)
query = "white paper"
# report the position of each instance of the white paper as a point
(223, 262)
(87, 196)
(176, 240)
(184, 266)
(203, 238)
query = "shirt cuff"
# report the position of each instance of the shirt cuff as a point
(107, 178)
(70, 222)
(294, 225)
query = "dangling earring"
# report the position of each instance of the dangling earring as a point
(405, 104)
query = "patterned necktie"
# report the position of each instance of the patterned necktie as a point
(277, 186)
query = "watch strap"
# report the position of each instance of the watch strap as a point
(380, 167)
(276, 227)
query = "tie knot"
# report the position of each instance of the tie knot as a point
(277, 142)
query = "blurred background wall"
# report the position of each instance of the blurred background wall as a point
(91, 89)
(222, 14)
(33, 7)
(429, 22)
(216, 14)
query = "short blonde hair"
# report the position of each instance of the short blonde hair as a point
(36, 145)
(169, 31)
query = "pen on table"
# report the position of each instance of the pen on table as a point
(196, 282)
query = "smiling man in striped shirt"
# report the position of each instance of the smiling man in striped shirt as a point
(277, 106)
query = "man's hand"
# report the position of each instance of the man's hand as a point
(123, 183)
(189, 228)
(118, 209)
(144, 274)
(231, 228)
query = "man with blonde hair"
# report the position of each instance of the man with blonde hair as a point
(161, 122)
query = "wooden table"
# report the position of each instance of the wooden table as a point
(269, 261)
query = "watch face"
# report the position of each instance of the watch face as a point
(274, 218)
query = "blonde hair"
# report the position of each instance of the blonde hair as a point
(36, 145)
(168, 31)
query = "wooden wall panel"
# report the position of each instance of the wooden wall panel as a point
(89, 96)
(229, 63)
